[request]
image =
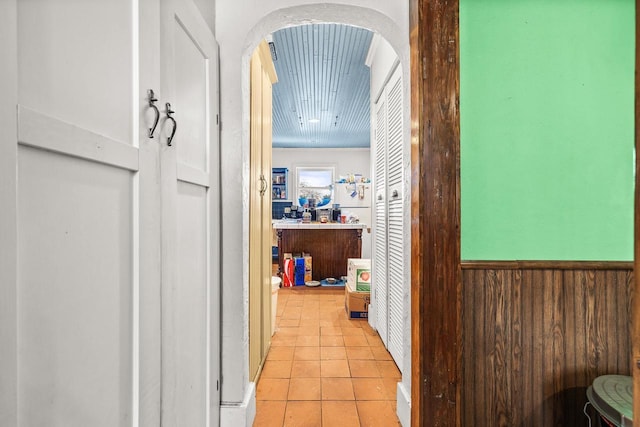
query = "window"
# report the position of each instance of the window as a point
(315, 184)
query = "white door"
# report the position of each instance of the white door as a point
(380, 278)
(80, 296)
(395, 217)
(83, 294)
(389, 246)
(190, 206)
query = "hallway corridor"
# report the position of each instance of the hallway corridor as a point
(324, 369)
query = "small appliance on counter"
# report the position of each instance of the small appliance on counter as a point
(293, 212)
(323, 213)
(306, 216)
(335, 215)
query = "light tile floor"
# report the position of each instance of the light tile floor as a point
(324, 369)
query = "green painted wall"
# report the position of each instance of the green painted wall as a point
(546, 107)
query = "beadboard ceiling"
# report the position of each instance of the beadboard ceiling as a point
(321, 76)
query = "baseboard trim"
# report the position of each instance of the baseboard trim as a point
(403, 405)
(240, 414)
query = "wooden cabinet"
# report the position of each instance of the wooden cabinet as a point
(330, 247)
(263, 76)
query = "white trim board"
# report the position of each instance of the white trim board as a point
(403, 411)
(242, 414)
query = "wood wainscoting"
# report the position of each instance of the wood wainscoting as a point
(535, 335)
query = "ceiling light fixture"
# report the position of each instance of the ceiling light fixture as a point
(272, 48)
(314, 120)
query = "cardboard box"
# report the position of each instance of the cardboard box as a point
(356, 303)
(359, 274)
(307, 268)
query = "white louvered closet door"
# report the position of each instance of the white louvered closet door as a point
(380, 242)
(395, 206)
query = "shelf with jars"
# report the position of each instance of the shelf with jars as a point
(279, 184)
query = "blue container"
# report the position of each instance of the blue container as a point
(299, 271)
(324, 202)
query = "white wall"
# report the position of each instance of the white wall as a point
(344, 160)
(382, 60)
(240, 25)
(208, 11)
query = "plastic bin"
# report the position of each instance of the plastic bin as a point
(612, 398)
(275, 285)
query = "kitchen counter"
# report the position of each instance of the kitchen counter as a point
(330, 245)
(280, 224)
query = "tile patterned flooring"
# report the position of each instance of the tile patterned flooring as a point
(324, 369)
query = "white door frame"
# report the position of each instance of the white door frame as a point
(8, 213)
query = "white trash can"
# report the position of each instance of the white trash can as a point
(275, 285)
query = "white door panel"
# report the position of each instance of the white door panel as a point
(389, 256)
(81, 204)
(190, 98)
(76, 63)
(396, 279)
(75, 291)
(395, 217)
(8, 214)
(190, 210)
(380, 275)
(191, 303)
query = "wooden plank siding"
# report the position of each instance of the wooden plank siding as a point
(330, 248)
(435, 191)
(534, 339)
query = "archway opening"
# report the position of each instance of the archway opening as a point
(384, 29)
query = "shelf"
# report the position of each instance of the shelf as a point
(279, 186)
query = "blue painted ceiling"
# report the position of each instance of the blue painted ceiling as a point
(321, 76)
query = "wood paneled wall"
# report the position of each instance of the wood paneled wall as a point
(535, 338)
(435, 212)
(330, 248)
